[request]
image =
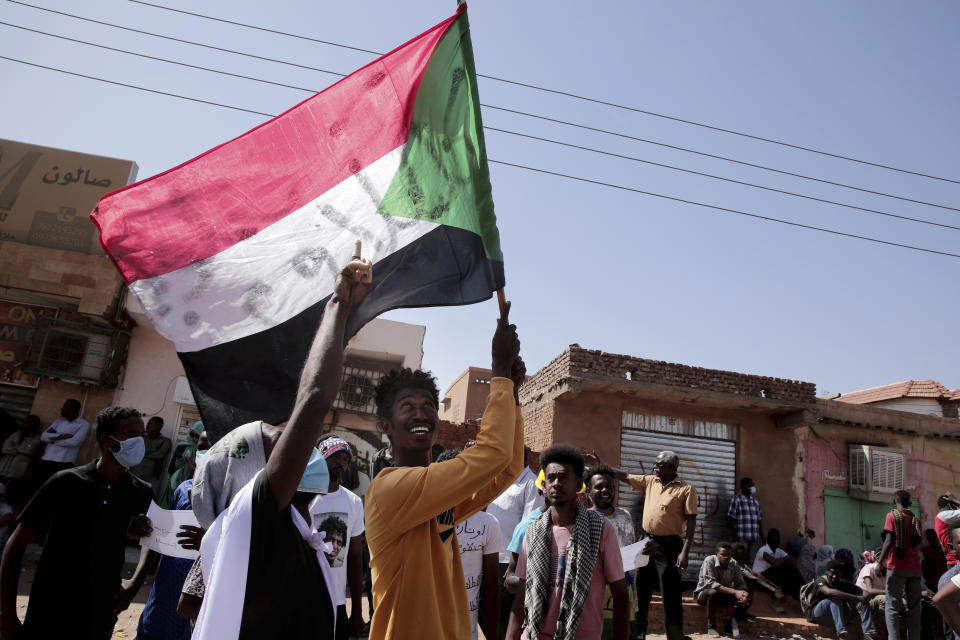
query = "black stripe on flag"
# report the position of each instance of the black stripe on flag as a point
(256, 377)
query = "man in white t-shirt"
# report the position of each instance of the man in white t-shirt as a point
(63, 437)
(339, 513)
(779, 567)
(480, 546)
(871, 583)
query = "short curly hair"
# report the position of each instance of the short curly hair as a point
(598, 470)
(403, 378)
(563, 453)
(332, 525)
(109, 418)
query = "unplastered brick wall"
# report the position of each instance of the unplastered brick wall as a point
(538, 424)
(454, 436)
(579, 363)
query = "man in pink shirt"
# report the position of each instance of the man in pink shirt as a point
(900, 562)
(568, 555)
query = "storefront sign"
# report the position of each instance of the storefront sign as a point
(47, 194)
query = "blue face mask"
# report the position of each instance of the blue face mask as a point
(316, 477)
(131, 452)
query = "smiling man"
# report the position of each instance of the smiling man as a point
(413, 507)
(340, 514)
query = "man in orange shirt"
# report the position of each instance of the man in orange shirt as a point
(413, 507)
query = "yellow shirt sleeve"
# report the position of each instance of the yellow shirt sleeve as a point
(690, 506)
(486, 495)
(637, 483)
(409, 496)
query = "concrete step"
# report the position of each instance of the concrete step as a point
(792, 624)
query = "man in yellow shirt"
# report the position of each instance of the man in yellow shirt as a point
(413, 507)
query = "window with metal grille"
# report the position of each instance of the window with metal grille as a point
(888, 470)
(859, 464)
(356, 389)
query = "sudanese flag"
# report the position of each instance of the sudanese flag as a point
(234, 253)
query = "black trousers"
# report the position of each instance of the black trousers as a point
(662, 569)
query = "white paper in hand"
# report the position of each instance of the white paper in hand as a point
(633, 557)
(166, 525)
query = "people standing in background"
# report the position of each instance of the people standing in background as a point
(20, 450)
(900, 562)
(63, 437)
(346, 561)
(155, 458)
(184, 460)
(519, 500)
(480, 543)
(602, 489)
(670, 518)
(569, 553)
(88, 514)
(746, 518)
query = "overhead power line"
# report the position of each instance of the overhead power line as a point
(719, 208)
(514, 111)
(506, 131)
(525, 167)
(570, 94)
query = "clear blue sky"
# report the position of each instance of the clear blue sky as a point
(607, 269)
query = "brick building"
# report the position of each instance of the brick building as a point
(723, 425)
(819, 464)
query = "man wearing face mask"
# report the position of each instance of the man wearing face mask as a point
(746, 518)
(88, 512)
(264, 566)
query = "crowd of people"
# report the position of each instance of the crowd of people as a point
(444, 543)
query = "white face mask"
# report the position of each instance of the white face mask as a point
(130, 453)
(753, 491)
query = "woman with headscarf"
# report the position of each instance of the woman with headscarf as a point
(824, 556)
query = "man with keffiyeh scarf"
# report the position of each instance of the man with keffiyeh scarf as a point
(568, 554)
(901, 555)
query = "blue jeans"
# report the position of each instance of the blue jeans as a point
(906, 586)
(836, 614)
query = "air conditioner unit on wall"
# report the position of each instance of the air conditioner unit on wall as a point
(875, 473)
(80, 352)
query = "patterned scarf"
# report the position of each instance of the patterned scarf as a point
(582, 553)
(900, 534)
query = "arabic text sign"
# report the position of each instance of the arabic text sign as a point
(47, 194)
(17, 323)
(166, 524)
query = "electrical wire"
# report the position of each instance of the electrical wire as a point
(719, 208)
(569, 95)
(537, 170)
(132, 86)
(506, 131)
(507, 110)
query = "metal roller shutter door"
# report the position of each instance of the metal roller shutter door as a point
(17, 401)
(707, 464)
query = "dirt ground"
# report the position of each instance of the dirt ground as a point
(127, 623)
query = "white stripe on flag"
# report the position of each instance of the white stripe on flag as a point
(284, 269)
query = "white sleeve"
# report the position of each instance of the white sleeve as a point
(956, 580)
(357, 526)
(494, 542)
(76, 439)
(532, 500)
(950, 517)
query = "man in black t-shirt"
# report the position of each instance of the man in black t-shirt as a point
(838, 602)
(262, 552)
(87, 512)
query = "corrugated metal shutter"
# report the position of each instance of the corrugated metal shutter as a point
(16, 401)
(709, 465)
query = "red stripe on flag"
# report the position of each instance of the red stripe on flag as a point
(235, 190)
